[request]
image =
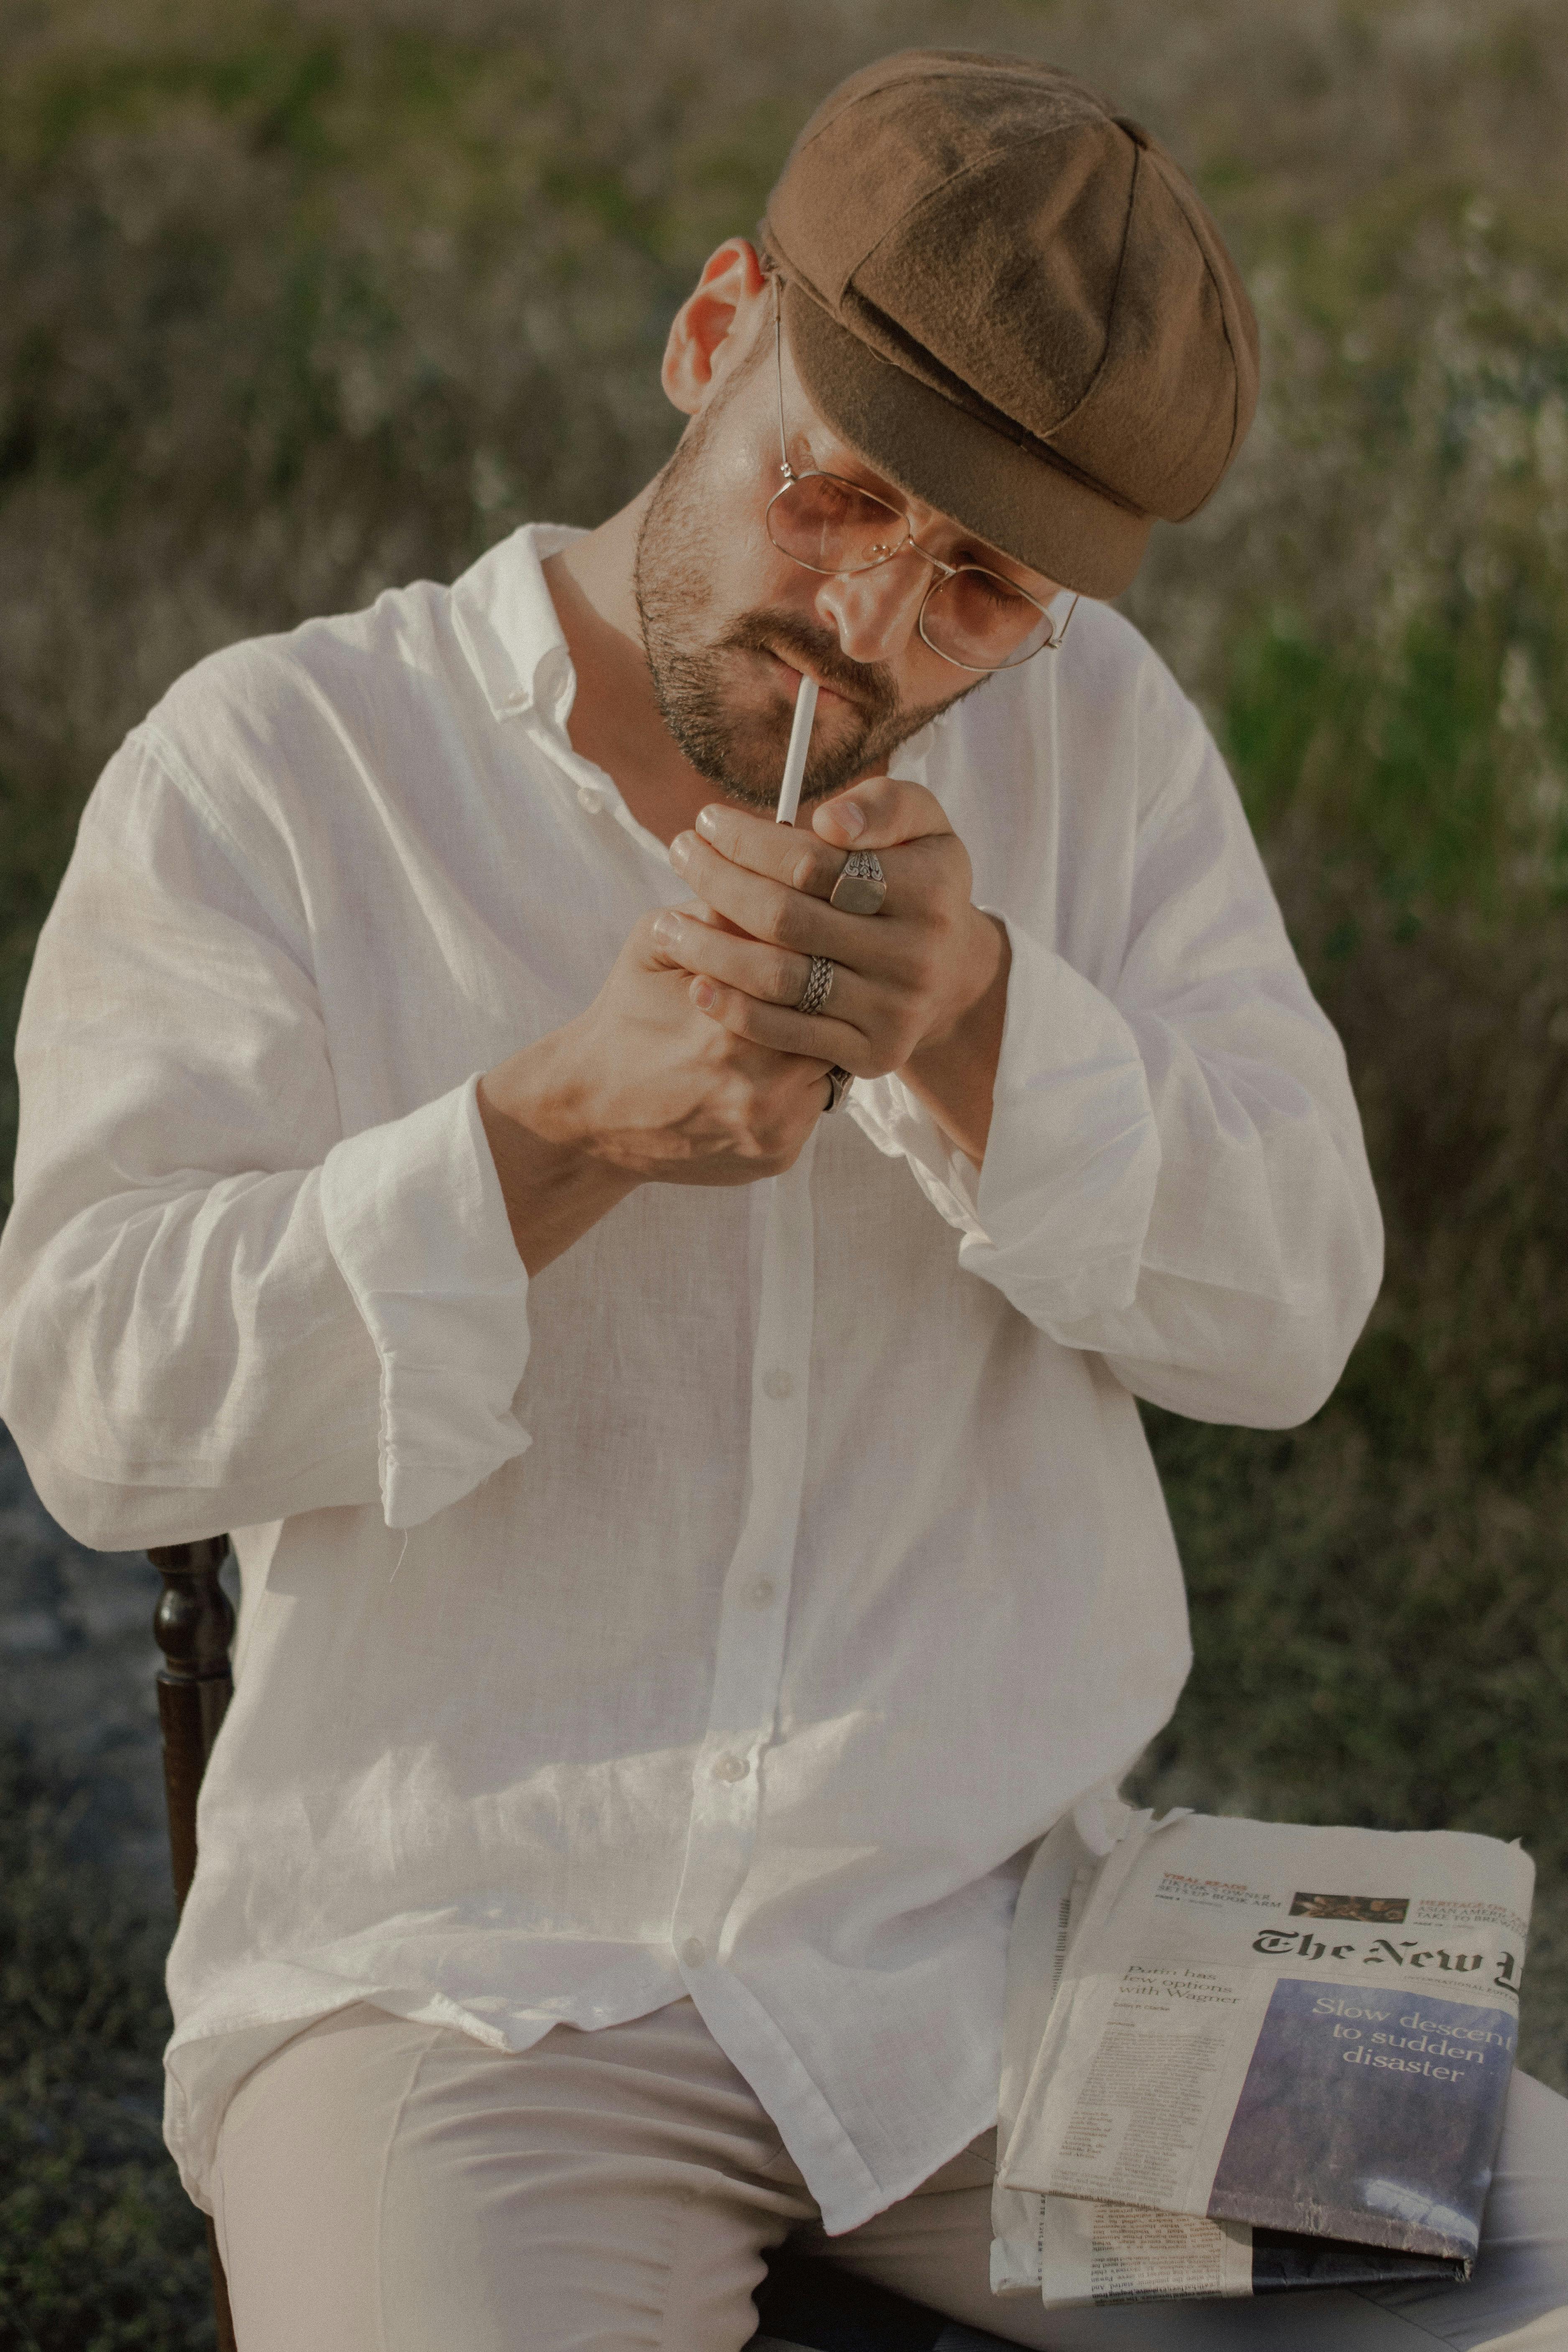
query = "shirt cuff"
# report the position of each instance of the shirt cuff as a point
(1057, 1216)
(416, 1222)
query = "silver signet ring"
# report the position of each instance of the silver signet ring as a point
(862, 886)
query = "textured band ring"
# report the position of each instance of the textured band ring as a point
(839, 1085)
(861, 886)
(818, 985)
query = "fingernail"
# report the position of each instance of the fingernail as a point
(707, 823)
(667, 931)
(703, 994)
(848, 815)
(680, 849)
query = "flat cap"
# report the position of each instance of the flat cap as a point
(1013, 303)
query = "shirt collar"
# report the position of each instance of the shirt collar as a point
(507, 626)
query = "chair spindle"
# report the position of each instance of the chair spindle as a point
(192, 1626)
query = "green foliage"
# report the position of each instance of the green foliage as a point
(99, 2250)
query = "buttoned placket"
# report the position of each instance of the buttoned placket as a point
(547, 705)
(727, 1777)
(726, 1789)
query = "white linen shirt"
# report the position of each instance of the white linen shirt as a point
(730, 1609)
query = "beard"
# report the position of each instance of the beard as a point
(705, 683)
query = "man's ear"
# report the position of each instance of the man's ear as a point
(711, 330)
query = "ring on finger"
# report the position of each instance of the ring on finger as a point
(839, 1085)
(861, 886)
(818, 985)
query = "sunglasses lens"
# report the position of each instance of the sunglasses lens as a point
(830, 526)
(978, 619)
(974, 618)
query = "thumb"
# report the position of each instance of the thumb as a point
(879, 814)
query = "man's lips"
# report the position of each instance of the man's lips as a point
(799, 669)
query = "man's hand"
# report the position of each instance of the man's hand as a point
(640, 1088)
(919, 988)
(901, 977)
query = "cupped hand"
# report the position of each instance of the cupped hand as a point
(642, 1084)
(904, 978)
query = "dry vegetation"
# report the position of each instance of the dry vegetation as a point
(299, 301)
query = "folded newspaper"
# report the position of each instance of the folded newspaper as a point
(1244, 2056)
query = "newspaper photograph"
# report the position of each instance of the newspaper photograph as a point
(1265, 2031)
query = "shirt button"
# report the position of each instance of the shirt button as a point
(777, 1382)
(761, 1592)
(694, 1951)
(587, 798)
(730, 1767)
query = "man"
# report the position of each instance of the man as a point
(692, 1547)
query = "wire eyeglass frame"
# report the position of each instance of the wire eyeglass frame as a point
(909, 543)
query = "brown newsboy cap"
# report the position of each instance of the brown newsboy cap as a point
(1011, 303)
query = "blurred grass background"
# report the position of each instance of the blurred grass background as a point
(297, 301)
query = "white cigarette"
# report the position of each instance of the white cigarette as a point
(799, 744)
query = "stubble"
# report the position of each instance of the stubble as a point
(700, 672)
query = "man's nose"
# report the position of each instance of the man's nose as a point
(876, 612)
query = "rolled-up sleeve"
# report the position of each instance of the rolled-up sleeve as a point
(215, 1310)
(1175, 1176)
(416, 1220)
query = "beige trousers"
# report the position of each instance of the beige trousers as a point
(384, 2187)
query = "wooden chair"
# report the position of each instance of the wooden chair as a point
(192, 1626)
(800, 2307)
